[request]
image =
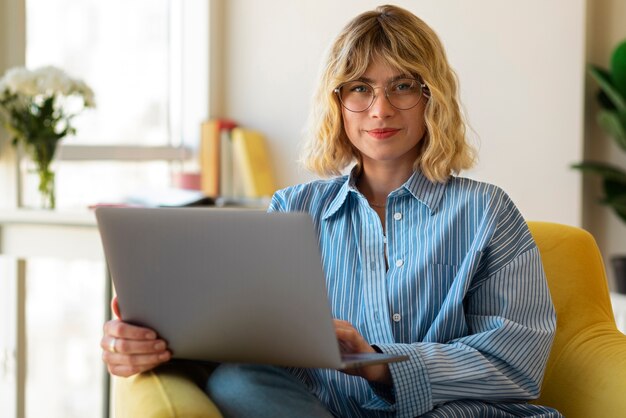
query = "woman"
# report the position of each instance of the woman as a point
(417, 261)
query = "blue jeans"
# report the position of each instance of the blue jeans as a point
(241, 391)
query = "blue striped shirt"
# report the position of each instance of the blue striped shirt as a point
(464, 294)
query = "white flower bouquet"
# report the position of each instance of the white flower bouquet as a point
(37, 108)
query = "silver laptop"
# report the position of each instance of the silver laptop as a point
(225, 285)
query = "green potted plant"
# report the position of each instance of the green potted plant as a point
(612, 118)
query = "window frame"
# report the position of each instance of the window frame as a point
(200, 92)
(187, 20)
(12, 54)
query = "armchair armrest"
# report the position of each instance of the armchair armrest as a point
(171, 390)
(587, 378)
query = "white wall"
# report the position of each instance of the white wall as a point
(606, 26)
(520, 66)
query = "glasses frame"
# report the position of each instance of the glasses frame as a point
(423, 87)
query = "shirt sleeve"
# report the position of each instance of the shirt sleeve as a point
(278, 203)
(510, 322)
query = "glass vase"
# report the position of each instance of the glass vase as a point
(46, 187)
(38, 185)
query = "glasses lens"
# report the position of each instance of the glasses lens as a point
(404, 93)
(356, 96)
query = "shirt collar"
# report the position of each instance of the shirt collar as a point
(338, 201)
(418, 185)
(426, 191)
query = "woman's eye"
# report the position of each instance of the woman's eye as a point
(360, 88)
(404, 87)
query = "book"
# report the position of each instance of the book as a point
(226, 164)
(168, 197)
(160, 197)
(211, 155)
(231, 183)
(251, 157)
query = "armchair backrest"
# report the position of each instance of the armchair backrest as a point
(586, 371)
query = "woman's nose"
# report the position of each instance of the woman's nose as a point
(381, 107)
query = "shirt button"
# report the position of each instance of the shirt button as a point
(397, 216)
(396, 317)
(399, 263)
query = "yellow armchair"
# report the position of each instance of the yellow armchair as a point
(169, 391)
(586, 372)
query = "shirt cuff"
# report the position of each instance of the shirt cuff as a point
(411, 385)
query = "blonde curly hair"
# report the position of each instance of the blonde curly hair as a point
(408, 44)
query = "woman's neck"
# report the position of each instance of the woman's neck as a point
(376, 182)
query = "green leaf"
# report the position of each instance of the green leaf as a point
(615, 197)
(603, 78)
(618, 68)
(614, 123)
(604, 101)
(606, 171)
(615, 191)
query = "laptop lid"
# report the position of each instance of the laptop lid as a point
(224, 285)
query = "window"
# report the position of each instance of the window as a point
(147, 62)
(121, 49)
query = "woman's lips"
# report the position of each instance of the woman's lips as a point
(383, 133)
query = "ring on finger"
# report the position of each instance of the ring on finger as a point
(112, 342)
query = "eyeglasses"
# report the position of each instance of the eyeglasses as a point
(403, 94)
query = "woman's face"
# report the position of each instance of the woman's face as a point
(383, 134)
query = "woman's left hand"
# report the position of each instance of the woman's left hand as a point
(351, 341)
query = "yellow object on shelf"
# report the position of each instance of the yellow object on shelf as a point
(251, 159)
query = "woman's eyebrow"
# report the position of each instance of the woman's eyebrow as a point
(366, 79)
(389, 80)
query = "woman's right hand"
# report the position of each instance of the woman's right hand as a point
(129, 349)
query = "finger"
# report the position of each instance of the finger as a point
(115, 307)
(124, 370)
(125, 346)
(136, 360)
(340, 323)
(347, 334)
(122, 365)
(352, 341)
(345, 347)
(119, 329)
(347, 343)
(345, 326)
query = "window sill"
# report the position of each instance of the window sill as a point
(123, 153)
(47, 233)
